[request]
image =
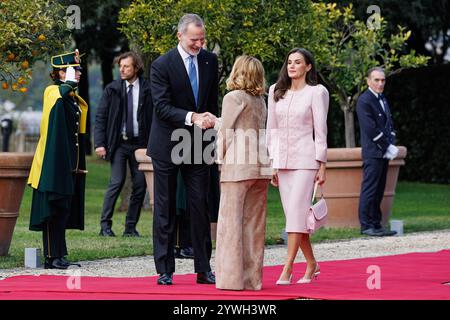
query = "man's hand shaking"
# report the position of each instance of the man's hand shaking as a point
(204, 120)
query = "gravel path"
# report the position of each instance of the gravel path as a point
(274, 255)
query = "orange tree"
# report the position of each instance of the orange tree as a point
(265, 29)
(30, 30)
(345, 48)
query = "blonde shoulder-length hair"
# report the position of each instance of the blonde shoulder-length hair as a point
(248, 75)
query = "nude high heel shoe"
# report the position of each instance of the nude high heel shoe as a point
(314, 276)
(284, 282)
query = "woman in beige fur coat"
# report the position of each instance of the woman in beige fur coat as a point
(244, 181)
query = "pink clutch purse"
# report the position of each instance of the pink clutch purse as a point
(317, 213)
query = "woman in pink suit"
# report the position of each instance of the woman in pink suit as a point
(297, 142)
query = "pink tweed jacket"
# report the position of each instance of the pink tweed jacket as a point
(297, 128)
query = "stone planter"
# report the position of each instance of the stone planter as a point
(14, 170)
(145, 165)
(343, 185)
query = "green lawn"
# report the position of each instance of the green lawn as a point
(421, 206)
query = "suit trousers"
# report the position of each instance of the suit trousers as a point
(372, 192)
(54, 235)
(195, 177)
(182, 232)
(241, 230)
(124, 154)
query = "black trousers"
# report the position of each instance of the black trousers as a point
(54, 235)
(372, 191)
(182, 232)
(196, 180)
(123, 155)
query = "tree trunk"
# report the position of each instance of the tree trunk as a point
(106, 66)
(349, 118)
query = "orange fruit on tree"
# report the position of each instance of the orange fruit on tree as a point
(10, 57)
(14, 86)
(5, 85)
(41, 37)
(25, 64)
(21, 80)
(23, 90)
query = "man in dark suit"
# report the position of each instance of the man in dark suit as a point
(184, 84)
(377, 142)
(122, 125)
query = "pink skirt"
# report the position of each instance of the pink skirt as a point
(296, 188)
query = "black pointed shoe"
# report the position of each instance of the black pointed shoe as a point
(206, 278)
(372, 232)
(68, 263)
(55, 263)
(106, 233)
(185, 253)
(386, 233)
(131, 233)
(165, 279)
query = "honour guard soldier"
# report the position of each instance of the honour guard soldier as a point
(58, 171)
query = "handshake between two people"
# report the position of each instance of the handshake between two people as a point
(391, 152)
(204, 120)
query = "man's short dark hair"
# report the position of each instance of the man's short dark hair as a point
(137, 61)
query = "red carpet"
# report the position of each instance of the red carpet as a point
(402, 277)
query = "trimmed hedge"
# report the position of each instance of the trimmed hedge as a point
(420, 105)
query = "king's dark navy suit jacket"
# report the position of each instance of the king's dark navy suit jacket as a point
(376, 126)
(173, 98)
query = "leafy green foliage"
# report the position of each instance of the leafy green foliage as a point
(346, 48)
(30, 30)
(350, 47)
(265, 29)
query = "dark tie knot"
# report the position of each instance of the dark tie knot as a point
(380, 96)
(130, 87)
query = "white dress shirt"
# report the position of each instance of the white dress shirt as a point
(185, 56)
(376, 96)
(135, 106)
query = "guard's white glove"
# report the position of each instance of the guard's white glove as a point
(70, 75)
(391, 152)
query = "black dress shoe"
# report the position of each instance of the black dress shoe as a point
(68, 263)
(64, 261)
(372, 232)
(106, 233)
(206, 278)
(55, 263)
(386, 233)
(187, 253)
(131, 233)
(165, 279)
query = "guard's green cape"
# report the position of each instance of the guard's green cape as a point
(58, 170)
